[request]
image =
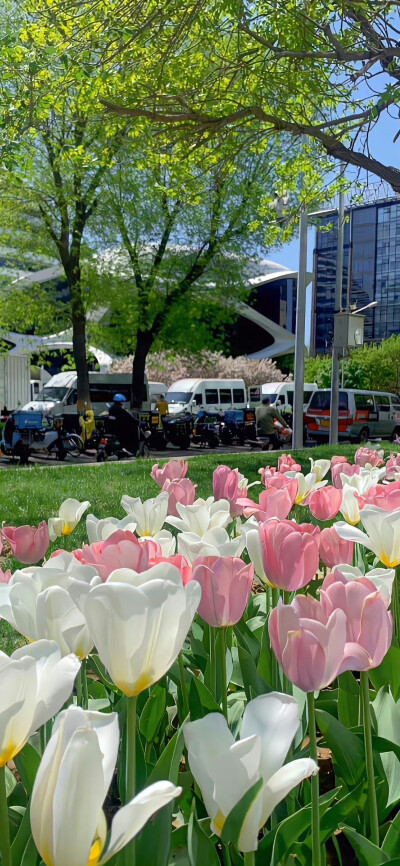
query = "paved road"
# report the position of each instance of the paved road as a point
(90, 457)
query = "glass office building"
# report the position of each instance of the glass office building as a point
(371, 270)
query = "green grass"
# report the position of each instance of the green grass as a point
(29, 495)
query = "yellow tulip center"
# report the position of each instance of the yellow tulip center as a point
(8, 753)
(144, 681)
(386, 561)
(219, 822)
(95, 852)
(67, 529)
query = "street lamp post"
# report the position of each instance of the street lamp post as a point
(298, 401)
(334, 421)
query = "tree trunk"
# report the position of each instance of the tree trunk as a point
(144, 342)
(79, 342)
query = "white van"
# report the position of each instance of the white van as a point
(281, 394)
(216, 395)
(156, 390)
(60, 392)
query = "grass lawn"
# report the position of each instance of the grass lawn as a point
(29, 495)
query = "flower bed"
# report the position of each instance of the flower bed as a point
(210, 678)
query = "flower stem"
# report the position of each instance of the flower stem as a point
(5, 847)
(369, 759)
(78, 685)
(395, 603)
(316, 844)
(130, 773)
(249, 859)
(224, 685)
(185, 694)
(85, 694)
(213, 663)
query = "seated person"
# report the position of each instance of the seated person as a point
(123, 425)
(265, 417)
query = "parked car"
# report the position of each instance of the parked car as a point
(211, 395)
(363, 415)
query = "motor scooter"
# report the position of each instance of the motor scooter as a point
(29, 433)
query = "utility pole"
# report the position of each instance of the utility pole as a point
(334, 420)
(298, 421)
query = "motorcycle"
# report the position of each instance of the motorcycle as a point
(26, 434)
(207, 429)
(178, 429)
(110, 447)
(237, 427)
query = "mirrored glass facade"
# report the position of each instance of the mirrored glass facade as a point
(371, 270)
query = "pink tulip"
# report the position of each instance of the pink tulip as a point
(183, 491)
(309, 645)
(179, 561)
(225, 583)
(343, 469)
(334, 550)
(335, 461)
(120, 550)
(310, 529)
(28, 543)
(174, 470)
(5, 576)
(385, 496)
(271, 503)
(289, 553)
(367, 455)
(226, 486)
(392, 466)
(267, 472)
(286, 463)
(325, 502)
(369, 625)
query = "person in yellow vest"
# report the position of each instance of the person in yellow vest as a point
(161, 408)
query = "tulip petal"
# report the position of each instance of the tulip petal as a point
(275, 719)
(131, 818)
(283, 781)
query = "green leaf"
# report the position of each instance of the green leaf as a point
(22, 837)
(388, 672)
(102, 673)
(391, 842)
(348, 699)
(367, 853)
(347, 749)
(354, 801)
(387, 714)
(200, 847)
(167, 766)
(27, 763)
(251, 677)
(234, 821)
(201, 701)
(156, 835)
(152, 713)
(10, 781)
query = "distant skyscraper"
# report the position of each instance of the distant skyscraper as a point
(371, 270)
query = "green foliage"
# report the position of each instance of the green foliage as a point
(375, 366)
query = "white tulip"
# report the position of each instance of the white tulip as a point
(202, 516)
(225, 769)
(68, 824)
(166, 540)
(350, 507)
(38, 605)
(382, 578)
(365, 480)
(34, 684)
(69, 515)
(253, 545)
(382, 533)
(100, 530)
(139, 629)
(306, 484)
(149, 515)
(320, 468)
(215, 542)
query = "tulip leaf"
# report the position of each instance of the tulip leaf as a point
(354, 801)
(278, 842)
(200, 847)
(30, 855)
(234, 821)
(152, 713)
(201, 701)
(267, 662)
(247, 639)
(251, 677)
(27, 763)
(367, 853)
(22, 837)
(391, 842)
(102, 673)
(10, 781)
(156, 835)
(348, 699)
(388, 672)
(167, 766)
(347, 749)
